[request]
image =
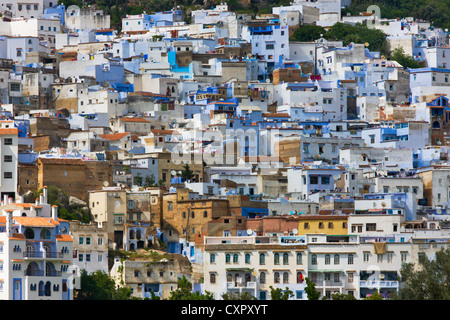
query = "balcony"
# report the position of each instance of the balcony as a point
(378, 284)
(43, 255)
(241, 285)
(42, 273)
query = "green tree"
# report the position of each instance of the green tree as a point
(138, 180)
(184, 292)
(280, 294)
(342, 296)
(310, 290)
(187, 173)
(308, 33)
(375, 296)
(429, 280)
(405, 60)
(95, 286)
(149, 180)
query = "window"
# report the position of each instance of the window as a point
(299, 258)
(285, 258)
(212, 278)
(276, 277)
(306, 225)
(379, 258)
(404, 256)
(336, 259)
(314, 259)
(247, 258)
(350, 259)
(285, 277)
(390, 255)
(8, 175)
(212, 258)
(366, 256)
(371, 227)
(235, 258)
(227, 258)
(276, 258)
(327, 259)
(350, 277)
(262, 259)
(262, 278)
(330, 225)
(8, 141)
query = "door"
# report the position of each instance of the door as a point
(17, 295)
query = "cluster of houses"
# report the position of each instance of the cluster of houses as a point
(219, 150)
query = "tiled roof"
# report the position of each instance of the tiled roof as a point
(134, 120)
(114, 136)
(275, 115)
(35, 221)
(9, 131)
(64, 237)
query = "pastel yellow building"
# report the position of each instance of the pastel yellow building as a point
(327, 224)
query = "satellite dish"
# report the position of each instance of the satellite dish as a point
(381, 276)
(295, 231)
(438, 211)
(173, 172)
(106, 183)
(249, 232)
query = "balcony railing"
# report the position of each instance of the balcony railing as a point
(327, 283)
(378, 284)
(43, 255)
(231, 285)
(42, 273)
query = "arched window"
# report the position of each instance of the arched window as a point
(212, 258)
(248, 277)
(314, 259)
(262, 259)
(285, 277)
(327, 259)
(29, 233)
(41, 288)
(276, 277)
(212, 278)
(247, 258)
(228, 258)
(132, 235)
(48, 289)
(299, 258)
(45, 234)
(262, 278)
(285, 258)
(276, 258)
(336, 259)
(235, 258)
(205, 214)
(229, 277)
(350, 259)
(138, 234)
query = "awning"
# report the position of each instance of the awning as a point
(240, 269)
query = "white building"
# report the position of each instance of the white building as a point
(9, 157)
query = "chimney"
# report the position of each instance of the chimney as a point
(9, 223)
(5, 199)
(55, 212)
(41, 198)
(36, 202)
(10, 200)
(45, 195)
